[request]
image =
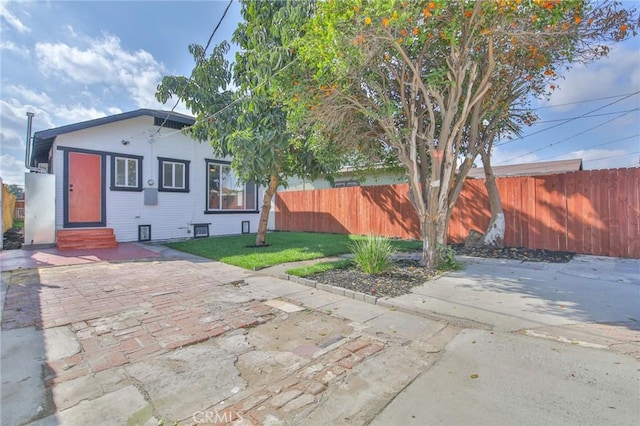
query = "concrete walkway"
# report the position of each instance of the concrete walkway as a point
(173, 337)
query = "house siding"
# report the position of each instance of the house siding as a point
(176, 212)
(299, 184)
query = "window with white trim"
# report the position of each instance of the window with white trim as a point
(126, 173)
(173, 175)
(226, 193)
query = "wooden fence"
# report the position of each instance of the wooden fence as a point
(590, 212)
(8, 207)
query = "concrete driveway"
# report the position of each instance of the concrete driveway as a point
(563, 349)
(176, 338)
(591, 299)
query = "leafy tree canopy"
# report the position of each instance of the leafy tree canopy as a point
(427, 79)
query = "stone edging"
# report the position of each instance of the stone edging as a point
(385, 302)
(356, 295)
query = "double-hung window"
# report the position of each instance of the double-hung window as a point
(173, 175)
(126, 173)
(226, 193)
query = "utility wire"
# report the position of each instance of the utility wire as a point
(613, 156)
(226, 107)
(582, 101)
(194, 69)
(606, 143)
(566, 139)
(586, 116)
(569, 120)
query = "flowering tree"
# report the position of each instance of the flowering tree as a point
(435, 81)
(238, 107)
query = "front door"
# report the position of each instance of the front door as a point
(84, 190)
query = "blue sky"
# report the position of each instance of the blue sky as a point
(74, 61)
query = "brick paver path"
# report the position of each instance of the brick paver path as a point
(124, 312)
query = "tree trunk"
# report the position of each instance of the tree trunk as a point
(429, 247)
(494, 234)
(261, 236)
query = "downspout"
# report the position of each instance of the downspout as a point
(27, 155)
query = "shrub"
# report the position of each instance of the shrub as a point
(373, 254)
(448, 260)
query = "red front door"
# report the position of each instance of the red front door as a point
(84, 189)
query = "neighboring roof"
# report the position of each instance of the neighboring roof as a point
(43, 139)
(530, 169)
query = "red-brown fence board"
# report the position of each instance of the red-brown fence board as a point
(634, 213)
(590, 212)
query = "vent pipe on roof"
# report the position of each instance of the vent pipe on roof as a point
(27, 155)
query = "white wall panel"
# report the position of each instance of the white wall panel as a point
(176, 212)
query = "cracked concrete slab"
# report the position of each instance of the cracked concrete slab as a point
(284, 306)
(263, 367)
(359, 397)
(124, 406)
(403, 325)
(204, 371)
(60, 342)
(297, 329)
(488, 378)
(89, 387)
(23, 391)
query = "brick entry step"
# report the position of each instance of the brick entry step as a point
(78, 239)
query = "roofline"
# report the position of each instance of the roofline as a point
(56, 131)
(43, 140)
(525, 169)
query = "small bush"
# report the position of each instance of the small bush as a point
(373, 254)
(448, 260)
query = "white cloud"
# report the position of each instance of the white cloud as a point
(10, 46)
(12, 170)
(616, 74)
(104, 61)
(48, 114)
(42, 102)
(14, 122)
(600, 158)
(12, 20)
(29, 96)
(77, 113)
(503, 156)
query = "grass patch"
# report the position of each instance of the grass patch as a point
(305, 271)
(284, 247)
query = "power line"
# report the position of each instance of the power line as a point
(582, 101)
(586, 116)
(605, 143)
(194, 69)
(226, 107)
(569, 120)
(612, 156)
(565, 139)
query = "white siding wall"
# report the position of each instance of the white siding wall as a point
(176, 212)
(298, 184)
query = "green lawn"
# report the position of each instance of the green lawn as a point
(284, 247)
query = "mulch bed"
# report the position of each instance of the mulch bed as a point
(407, 274)
(12, 239)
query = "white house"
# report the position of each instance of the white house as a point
(137, 174)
